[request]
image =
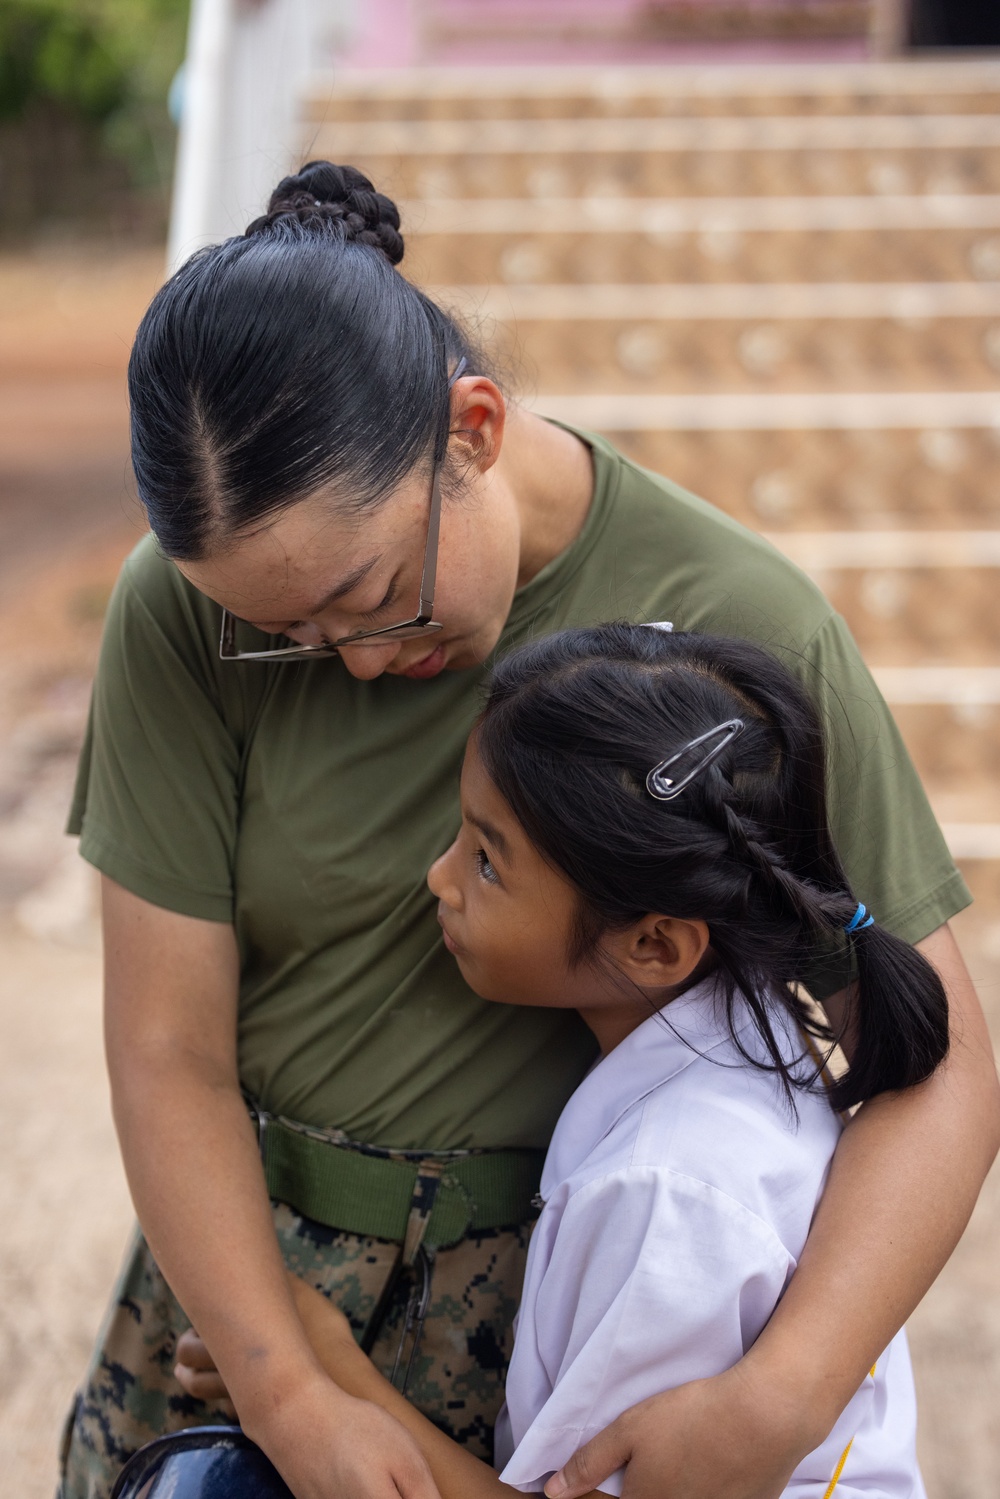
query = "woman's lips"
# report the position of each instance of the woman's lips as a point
(429, 666)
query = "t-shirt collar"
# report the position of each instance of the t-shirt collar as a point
(553, 577)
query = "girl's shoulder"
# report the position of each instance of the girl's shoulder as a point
(732, 1127)
(683, 1108)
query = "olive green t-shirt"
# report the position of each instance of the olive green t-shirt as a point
(306, 807)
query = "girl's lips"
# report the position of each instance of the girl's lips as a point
(429, 666)
(449, 941)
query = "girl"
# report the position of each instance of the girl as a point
(347, 520)
(645, 839)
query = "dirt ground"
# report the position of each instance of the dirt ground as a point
(67, 518)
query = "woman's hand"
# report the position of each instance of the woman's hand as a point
(719, 1438)
(329, 1445)
(326, 1444)
(368, 1454)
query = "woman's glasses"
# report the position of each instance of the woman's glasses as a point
(422, 622)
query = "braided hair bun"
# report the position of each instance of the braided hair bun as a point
(324, 198)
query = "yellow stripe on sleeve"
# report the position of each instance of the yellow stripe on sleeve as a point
(843, 1456)
(838, 1470)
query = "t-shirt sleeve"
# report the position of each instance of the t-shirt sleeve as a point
(654, 1279)
(156, 799)
(893, 849)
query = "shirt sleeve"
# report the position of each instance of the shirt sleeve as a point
(156, 798)
(653, 1279)
(885, 831)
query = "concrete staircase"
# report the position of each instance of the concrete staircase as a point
(778, 285)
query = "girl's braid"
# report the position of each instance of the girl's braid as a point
(811, 907)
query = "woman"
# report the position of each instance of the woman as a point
(305, 423)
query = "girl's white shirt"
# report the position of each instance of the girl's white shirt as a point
(679, 1189)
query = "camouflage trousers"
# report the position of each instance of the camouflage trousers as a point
(129, 1394)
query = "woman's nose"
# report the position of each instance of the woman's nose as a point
(368, 661)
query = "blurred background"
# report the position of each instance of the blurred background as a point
(757, 242)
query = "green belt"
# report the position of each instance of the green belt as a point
(375, 1195)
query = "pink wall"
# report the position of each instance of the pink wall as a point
(401, 33)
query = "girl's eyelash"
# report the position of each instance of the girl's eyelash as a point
(485, 868)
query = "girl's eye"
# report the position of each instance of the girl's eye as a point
(485, 868)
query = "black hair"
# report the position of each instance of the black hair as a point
(572, 726)
(264, 368)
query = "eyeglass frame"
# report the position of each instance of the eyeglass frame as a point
(423, 622)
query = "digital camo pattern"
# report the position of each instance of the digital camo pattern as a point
(130, 1395)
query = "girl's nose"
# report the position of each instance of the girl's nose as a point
(440, 879)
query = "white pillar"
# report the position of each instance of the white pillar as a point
(241, 130)
(202, 125)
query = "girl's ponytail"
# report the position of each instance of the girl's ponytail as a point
(898, 1017)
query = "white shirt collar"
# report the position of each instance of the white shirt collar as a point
(668, 1041)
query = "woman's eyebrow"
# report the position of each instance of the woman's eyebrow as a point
(493, 835)
(346, 585)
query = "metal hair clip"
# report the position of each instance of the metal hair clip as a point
(664, 788)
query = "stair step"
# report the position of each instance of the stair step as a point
(973, 841)
(953, 747)
(764, 411)
(938, 477)
(699, 300)
(949, 85)
(606, 357)
(949, 615)
(692, 337)
(821, 551)
(869, 170)
(661, 218)
(729, 134)
(519, 242)
(914, 597)
(957, 686)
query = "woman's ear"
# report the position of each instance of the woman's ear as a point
(478, 418)
(660, 952)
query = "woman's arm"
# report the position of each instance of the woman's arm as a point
(191, 1158)
(904, 1181)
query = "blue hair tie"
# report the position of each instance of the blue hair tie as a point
(857, 922)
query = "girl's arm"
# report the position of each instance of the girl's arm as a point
(904, 1181)
(456, 1472)
(191, 1158)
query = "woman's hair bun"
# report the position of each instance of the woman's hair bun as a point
(323, 196)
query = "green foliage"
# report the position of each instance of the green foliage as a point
(104, 64)
(47, 52)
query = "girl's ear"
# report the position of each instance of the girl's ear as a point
(660, 952)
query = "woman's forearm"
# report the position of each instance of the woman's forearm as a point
(191, 1158)
(903, 1184)
(194, 1172)
(188, 1145)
